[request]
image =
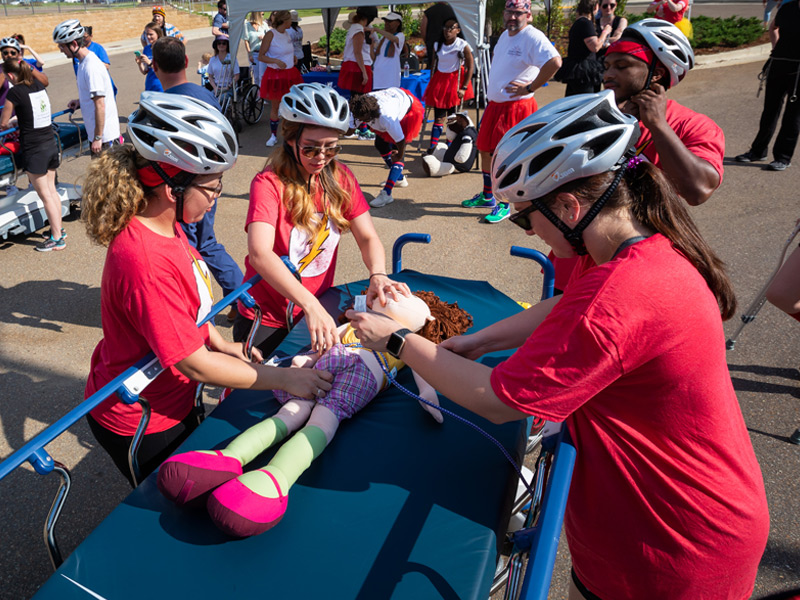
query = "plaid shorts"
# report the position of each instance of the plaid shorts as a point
(354, 386)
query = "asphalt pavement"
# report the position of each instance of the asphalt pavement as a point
(50, 317)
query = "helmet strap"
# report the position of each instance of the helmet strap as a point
(177, 185)
(650, 72)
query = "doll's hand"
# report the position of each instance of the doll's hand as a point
(372, 329)
(380, 286)
(306, 383)
(468, 346)
(304, 361)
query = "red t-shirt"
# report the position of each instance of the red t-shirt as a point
(667, 498)
(700, 134)
(152, 296)
(315, 257)
(663, 11)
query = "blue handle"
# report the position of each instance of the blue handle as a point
(34, 452)
(549, 271)
(397, 249)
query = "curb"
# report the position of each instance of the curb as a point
(734, 57)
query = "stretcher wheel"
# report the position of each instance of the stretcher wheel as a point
(252, 105)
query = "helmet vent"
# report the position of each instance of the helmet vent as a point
(323, 107)
(600, 144)
(511, 177)
(538, 163)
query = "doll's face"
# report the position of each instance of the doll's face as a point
(411, 312)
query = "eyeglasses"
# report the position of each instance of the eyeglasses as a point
(451, 28)
(609, 5)
(312, 151)
(522, 218)
(216, 190)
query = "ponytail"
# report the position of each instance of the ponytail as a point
(20, 69)
(655, 203)
(112, 193)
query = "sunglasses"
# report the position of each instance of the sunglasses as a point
(312, 151)
(522, 218)
(216, 190)
(9, 53)
(451, 28)
(609, 5)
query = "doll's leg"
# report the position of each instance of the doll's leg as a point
(256, 501)
(187, 478)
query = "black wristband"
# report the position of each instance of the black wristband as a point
(376, 274)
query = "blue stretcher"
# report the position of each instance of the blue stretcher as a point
(22, 211)
(396, 507)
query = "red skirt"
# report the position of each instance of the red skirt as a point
(499, 117)
(275, 83)
(442, 91)
(350, 78)
(410, 124)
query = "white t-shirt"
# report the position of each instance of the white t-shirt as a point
(222, 74)
(394, 104)
(447, 57)
(349, 54)
(296, 35)
(386, 69)
(518, 58)
(94, 80)
(281, 48)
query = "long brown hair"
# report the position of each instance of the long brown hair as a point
(20, 69)
(652, 200)
(298, 194)
(112, 193)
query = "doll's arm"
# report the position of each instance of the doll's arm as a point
(427, 392)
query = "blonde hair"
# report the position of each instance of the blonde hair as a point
(112, 193)
(205, 57)
(297, 197)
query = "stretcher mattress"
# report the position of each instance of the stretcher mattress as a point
(396, 507)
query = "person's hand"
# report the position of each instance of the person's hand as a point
(280, 63)
(372, 329)
(607, 30)
(651, 105)
(467, 346)
(380, 287)
(306, 383)
(322, 328)
(461, 93)
(74, 104)
(364, 77)
(515, 88)
(96, 146)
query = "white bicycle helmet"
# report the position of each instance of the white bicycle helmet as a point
(316, 104)
(571, 138)
(10, 42)
(668, 43)
(68, 31)
(183, 131)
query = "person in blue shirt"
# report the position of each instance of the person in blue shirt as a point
(98, 50)
(169, 64)
(144, 59)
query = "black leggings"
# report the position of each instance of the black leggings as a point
(441, 113)
(267, 338)
(154, 449)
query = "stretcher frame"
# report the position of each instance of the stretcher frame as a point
(539, 538)
(22, 212)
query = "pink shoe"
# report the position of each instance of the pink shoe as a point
(187, 478)
(240, 512)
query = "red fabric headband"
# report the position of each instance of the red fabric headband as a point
(635, 49)
(151, 179)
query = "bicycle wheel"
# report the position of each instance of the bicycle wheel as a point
(252, 105)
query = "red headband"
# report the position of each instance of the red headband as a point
(150, 178)
(635, 49)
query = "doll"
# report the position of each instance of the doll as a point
(459, 153)
(244, 504)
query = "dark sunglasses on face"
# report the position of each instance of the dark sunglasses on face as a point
(312, 151)
(609, 5)
(522, 218)
(216, 190)
(9, 53)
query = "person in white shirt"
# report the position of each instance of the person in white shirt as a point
(395, 116)
(450, 83)
(524, 60)
(296, 35)
(386, 51)
(277, 52)
(95, 92)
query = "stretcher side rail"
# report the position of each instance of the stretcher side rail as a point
(127, 385)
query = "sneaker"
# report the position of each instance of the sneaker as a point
(777, 165)
(381, 199)
(51, 244)
(499, 213)
(273, 139)
(366, 135)
(748, 157)
(400, 182)
(49, 234)
(479, 201)
(352, 136)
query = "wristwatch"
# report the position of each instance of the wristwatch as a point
(396, 342)
(98, 138)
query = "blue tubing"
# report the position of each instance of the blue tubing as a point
(549, 271)
(34, 452)
(397, 248)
